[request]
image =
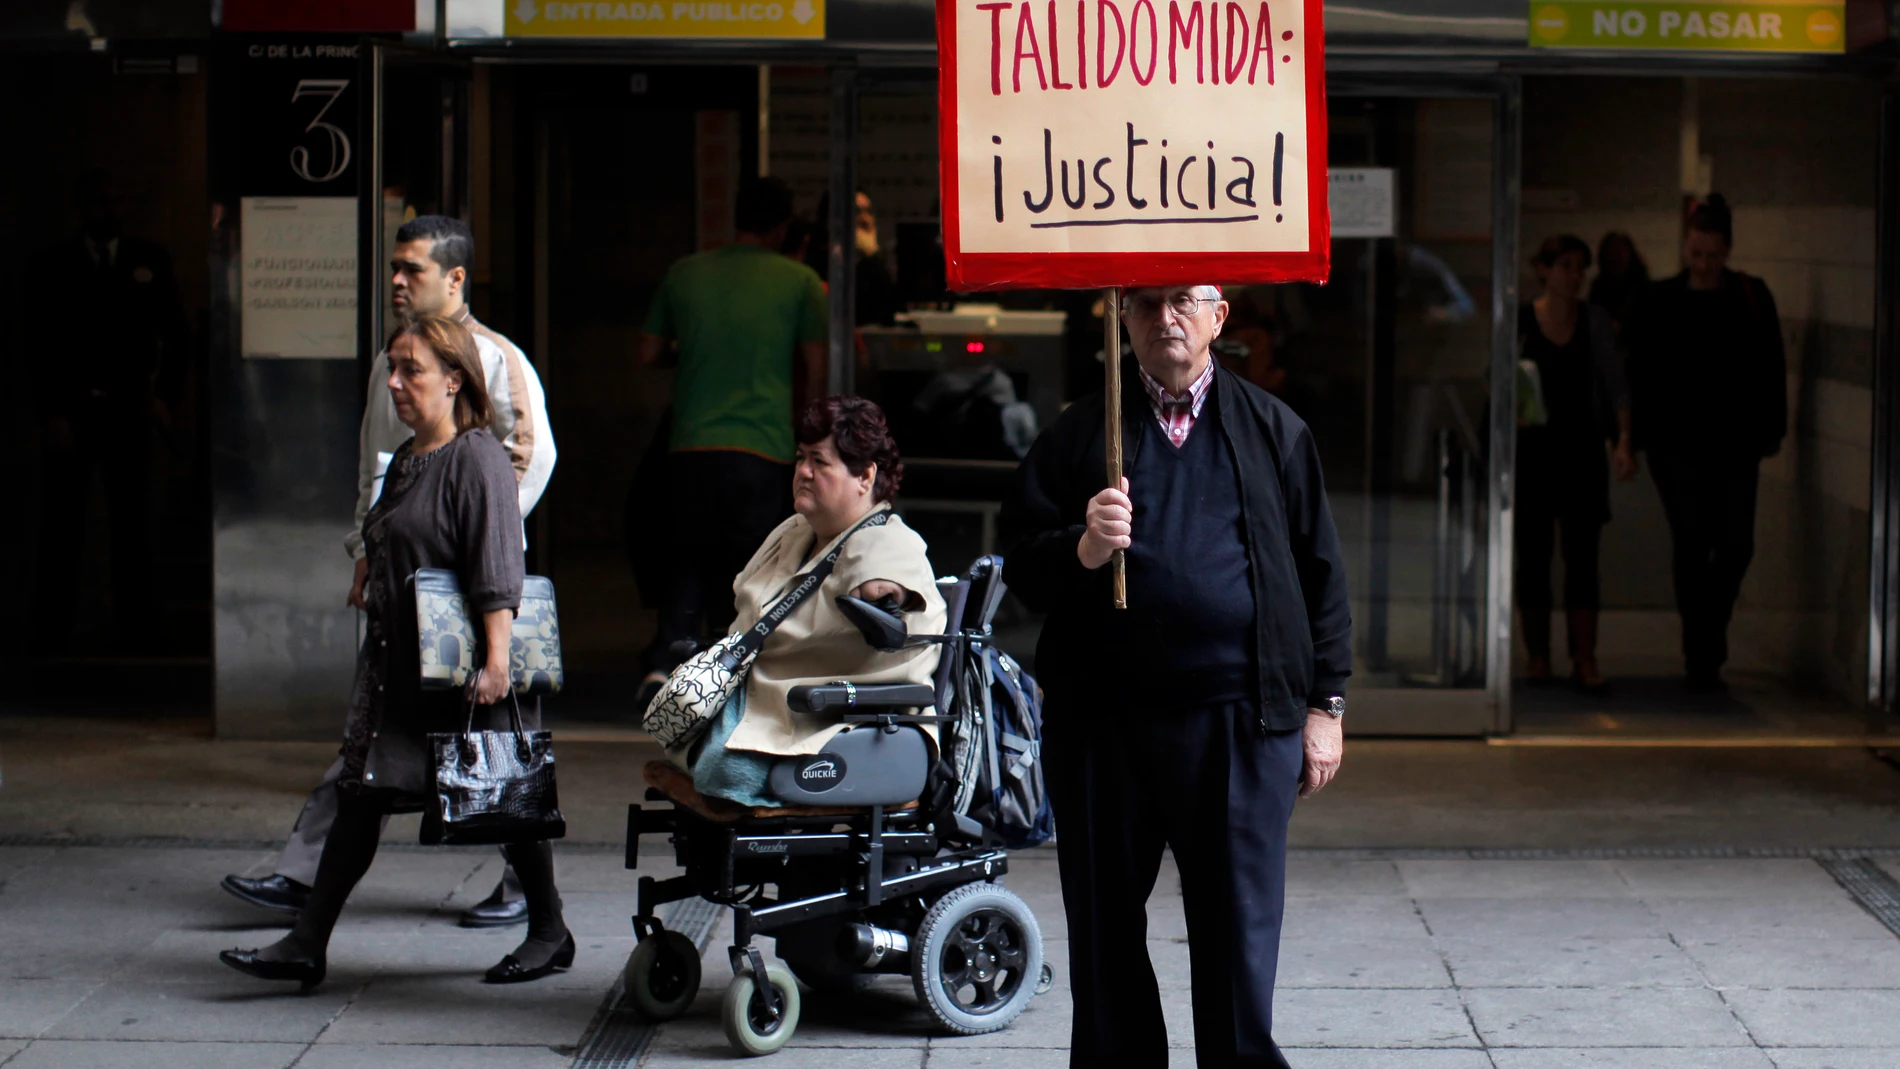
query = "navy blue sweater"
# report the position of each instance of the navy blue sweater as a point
(1302, 624)
(1187, 636)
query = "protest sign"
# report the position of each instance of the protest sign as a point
(1132, 142)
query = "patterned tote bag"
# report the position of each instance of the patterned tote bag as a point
(698, 689)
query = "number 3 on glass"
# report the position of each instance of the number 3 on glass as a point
(330, 89)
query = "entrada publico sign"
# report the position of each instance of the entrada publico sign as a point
(666, 18)
(1132, 142)
(1687, 25)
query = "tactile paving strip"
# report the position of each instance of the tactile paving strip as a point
(1872, 886)
(618, 1037)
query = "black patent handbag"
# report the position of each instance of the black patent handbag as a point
(492, 787)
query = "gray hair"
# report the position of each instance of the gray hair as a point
(1207, 292)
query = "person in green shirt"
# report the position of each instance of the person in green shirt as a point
(737, 317)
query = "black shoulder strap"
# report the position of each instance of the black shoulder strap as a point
(754, 638)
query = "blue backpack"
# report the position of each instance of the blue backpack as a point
(1010, 784)
(992, 743)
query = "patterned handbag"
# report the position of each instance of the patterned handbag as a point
(450, 643)
(489, 787)
(698, 689)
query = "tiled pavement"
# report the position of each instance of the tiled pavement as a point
(107, 958)
(1464, 964)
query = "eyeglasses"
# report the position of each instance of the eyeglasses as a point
(1181, 304)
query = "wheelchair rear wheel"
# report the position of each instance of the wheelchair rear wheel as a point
(752, 1026)
(662, 976)
(977, 958)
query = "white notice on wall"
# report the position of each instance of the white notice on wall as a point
(1363, 205)
(298, 277)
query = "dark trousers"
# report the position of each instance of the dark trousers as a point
(304, 851)
(1208, 784)
(1710, 502)
(1539, 530)
(114, 439)
(720, 506)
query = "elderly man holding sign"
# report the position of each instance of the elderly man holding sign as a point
(1177, 531)
(1193, 718)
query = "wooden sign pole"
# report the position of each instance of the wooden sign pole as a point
(1112, 368)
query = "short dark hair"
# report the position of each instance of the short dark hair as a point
(762, 204)
(862, 436)
(1558, 246)
(1712, 216)
(451, 244)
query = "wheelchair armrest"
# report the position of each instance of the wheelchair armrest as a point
(871, 698)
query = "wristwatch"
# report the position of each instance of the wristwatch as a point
(1335, 707)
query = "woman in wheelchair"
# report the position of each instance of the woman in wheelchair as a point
(846, 467)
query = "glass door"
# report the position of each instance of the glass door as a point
(1393, 364)
(420, 165)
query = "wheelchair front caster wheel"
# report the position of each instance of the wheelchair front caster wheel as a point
(1046, 981)
(662, 976)
(755, 1024)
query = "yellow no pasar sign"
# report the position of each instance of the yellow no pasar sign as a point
(667, 18)
(1650, 25)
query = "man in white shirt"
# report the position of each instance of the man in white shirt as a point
(430, 266)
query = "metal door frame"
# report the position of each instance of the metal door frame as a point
(1883, 571)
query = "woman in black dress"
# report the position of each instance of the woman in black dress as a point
(448, 501)
(1563, 470)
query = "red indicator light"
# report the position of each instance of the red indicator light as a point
(973, 347)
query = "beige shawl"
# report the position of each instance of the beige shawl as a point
(816, 644)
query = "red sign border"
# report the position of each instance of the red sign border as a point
(970, 272)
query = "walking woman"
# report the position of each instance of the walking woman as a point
(1563, 474)
(448, 501)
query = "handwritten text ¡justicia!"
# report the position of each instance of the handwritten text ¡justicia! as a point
(1228, 46)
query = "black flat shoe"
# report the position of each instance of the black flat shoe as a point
(279, 894)
(511, 971)
(308, 972)
(496, 914)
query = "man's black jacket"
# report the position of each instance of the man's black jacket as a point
(1302, 618)
(1708, 370)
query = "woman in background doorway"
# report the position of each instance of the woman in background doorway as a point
(1563, 473)
(1622, 275)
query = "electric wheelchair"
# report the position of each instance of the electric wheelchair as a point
(876, 868)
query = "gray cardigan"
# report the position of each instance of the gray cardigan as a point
(461, 513)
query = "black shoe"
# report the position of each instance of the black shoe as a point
(495, 913)
(511, 971)
(308, 972)
(279, 894)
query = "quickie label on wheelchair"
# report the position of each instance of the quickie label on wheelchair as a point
(821, 773)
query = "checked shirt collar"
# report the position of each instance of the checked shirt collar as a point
(1177, 413)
